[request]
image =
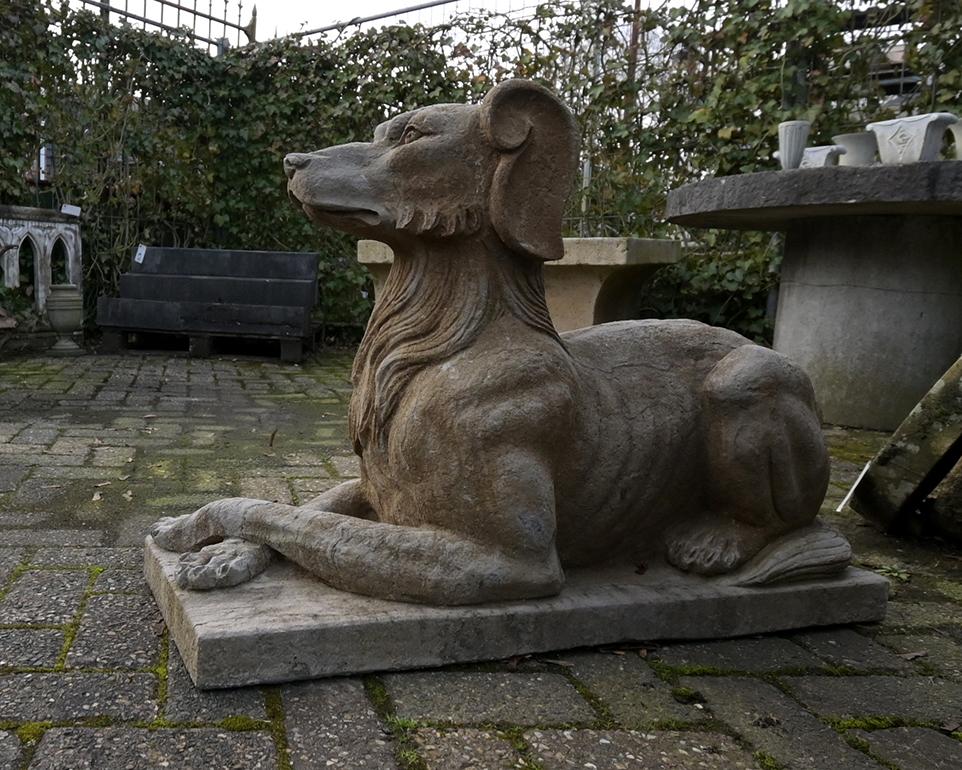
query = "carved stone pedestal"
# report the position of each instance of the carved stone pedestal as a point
(285, 624)
(598, 280)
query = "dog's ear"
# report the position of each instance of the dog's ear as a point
(537, 139)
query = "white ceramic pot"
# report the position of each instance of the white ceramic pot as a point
(792, 136)
(911, 140)
(861, 148)
(819, 157)
(65, 312)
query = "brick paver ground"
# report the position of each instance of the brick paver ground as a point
(93, 449)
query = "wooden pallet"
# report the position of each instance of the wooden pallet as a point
(209, 293)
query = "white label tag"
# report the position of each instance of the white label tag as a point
(139, 256)
(73, 211)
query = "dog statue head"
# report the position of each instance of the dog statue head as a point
(451, 171)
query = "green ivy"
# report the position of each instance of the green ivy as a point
(160, 143)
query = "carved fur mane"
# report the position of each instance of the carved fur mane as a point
(431, 309)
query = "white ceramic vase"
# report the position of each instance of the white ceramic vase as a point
(819, 157)
(792, 136)
(913, 139)
(65, 312)
(861, 148)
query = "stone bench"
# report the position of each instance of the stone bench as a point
(205, 293)
(598, 279)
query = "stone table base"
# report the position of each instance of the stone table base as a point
(286, 625)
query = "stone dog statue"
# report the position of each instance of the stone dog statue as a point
(495, 453)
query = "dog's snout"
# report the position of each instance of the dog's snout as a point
(294, 161)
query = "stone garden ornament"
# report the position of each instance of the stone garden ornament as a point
(495, 453)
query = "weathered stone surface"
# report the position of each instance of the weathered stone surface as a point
(891, 492)
(117, 632)
(286, 624)
(755, 655)
(774, 724)
(9, 750)
(9, 559)
(769, 200)
(629, 689)
(66, 697)
(849, 649)
(914, 748)
(332, 724)
(114, 748)
(577, 749)
(131, 558)
(44, 597)
(21, 648)
(465, 748)
(10, 476)
(121, 581)
(925, 614)
(637, 423)
(945, 505)
(940, 651)
(475, 697)
(922, 698)
(48, 536)
(185, 703)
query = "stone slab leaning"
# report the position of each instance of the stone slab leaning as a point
(500, 460)
(915, 482)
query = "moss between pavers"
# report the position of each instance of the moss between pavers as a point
(862, 745)
(767, 761)
(606, 719)
(71, 629)
(274, 705)
(402, 730)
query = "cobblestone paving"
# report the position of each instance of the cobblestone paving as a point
(92, 450)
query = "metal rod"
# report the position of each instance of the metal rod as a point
(145, 20)
(195, 12)
(366, 19)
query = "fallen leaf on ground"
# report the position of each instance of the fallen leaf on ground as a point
(912, 655)
(97, 497)
(128, 495)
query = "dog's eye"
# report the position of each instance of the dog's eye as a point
(411, 134)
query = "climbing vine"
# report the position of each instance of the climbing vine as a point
(160, 143)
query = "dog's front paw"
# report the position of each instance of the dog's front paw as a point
(227, 563)
(175, 533)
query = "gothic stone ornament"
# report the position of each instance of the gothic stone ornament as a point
(494, 452)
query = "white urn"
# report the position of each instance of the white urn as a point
(65, 312)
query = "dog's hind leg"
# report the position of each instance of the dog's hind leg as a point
(765, 457)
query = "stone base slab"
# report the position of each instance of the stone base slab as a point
(286, 625)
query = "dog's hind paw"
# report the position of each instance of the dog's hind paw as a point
(227, 563)
(710, 547)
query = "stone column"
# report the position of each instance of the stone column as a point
(871, 307)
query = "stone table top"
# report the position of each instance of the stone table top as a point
(773, 200)
(578, 252)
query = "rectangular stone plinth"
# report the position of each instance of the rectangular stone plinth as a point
(286, 625)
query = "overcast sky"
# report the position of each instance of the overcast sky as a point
(286, 16)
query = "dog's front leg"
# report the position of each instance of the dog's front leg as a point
(434, 566)
(515, 559)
